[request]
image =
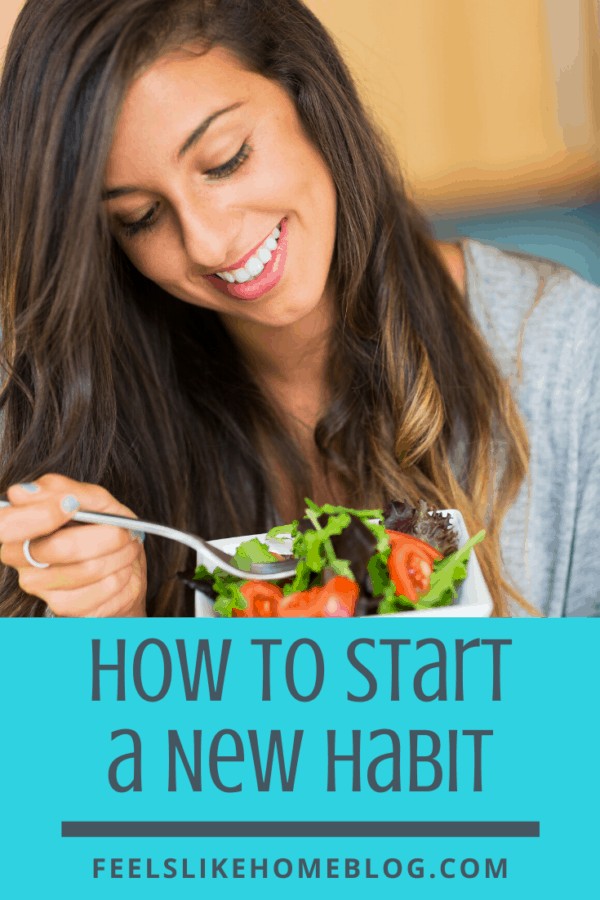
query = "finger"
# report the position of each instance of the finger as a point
(70, 545)
(77, 575)
(42, 507)
(90, 496)
(36, 518)
(129, 603)
(86, 601)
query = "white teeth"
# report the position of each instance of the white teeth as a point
(254, 266)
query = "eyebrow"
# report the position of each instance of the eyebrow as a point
(190, 141)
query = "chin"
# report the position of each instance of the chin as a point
(283, 317)
(296, 303)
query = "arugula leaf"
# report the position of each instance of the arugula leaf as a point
(229, 597)
(379, 575)
(342, 567)
(335, 525)
(226, 587)
(447, 574)
(201, 573)
(285, 530)
(371, 518)
(313, 546)
(392, 602)
(318, 549)
(329, 510)
(381, 536)
(314, 551)
(301, 580)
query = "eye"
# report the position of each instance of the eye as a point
(130, 229)
(150, 218)
(231, 165)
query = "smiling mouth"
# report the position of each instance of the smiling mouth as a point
(257, 273)
(251, 266)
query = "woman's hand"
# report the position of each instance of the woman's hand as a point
(93, 570)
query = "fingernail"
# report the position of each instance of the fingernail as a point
(69, 503)
(137, 535)
(30, 486)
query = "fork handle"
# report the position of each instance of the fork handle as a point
(204, 549)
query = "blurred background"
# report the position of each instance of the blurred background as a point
(494, 110)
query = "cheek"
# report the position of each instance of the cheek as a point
(295, 176)
(154, 260)
(315, 185)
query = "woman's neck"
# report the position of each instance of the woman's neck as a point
(289, 362)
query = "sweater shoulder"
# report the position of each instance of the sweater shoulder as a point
(526, 304)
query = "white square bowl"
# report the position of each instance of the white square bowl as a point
(473, 600)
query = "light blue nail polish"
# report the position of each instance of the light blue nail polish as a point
(69, 503)
(30, 486)
(137, 535)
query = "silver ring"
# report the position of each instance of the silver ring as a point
(30, 559)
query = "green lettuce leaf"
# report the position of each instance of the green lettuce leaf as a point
(252, 551)
(447, 575)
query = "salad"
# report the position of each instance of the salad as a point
(351, 563)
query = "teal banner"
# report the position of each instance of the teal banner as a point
(213, 758)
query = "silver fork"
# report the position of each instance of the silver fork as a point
(258, 571)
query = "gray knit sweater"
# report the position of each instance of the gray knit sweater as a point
(551, 317)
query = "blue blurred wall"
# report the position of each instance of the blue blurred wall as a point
(568, 235)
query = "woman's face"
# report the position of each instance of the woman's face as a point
(210, 172)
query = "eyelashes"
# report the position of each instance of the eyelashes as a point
(130, 229)
(149, 219)
(231, 165)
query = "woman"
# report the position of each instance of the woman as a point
(218, 299)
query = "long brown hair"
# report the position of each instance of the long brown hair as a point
(109, 380)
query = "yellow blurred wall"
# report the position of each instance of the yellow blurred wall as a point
(488, 102)
(477, 95)
(9, 10)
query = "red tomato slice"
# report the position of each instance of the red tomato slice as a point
(410, 565)
(262, 598)
(398, 538)
(301, 605)
(338, 597)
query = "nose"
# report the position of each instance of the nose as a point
(207, 238)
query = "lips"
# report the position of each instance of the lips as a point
(258, 286)
(244, 259)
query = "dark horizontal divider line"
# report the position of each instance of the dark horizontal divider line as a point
(300, 829)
